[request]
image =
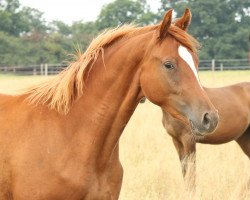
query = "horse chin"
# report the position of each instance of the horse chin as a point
(143, 100)
(199, 138)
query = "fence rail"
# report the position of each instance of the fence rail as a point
(52, 69)
(224, 64)
(43, 69)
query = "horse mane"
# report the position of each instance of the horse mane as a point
(62, 90)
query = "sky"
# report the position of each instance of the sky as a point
(72, 10)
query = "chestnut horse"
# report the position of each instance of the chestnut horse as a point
(59, 140)
(233, 104)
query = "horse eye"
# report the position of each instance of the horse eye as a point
(168, 65)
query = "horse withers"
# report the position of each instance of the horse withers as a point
(233, 104)
(60, 139)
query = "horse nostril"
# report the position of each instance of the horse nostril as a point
(206, 121)
(206, 125)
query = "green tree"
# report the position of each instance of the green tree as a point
(83, 33)
(12, 50)
(34, 20)
(11, 18)
(166, 5)
(124, 11)
(61, 27)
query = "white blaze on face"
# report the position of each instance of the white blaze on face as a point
(187, 57)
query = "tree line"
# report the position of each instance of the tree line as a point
(221, 26)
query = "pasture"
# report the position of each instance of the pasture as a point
(151, 167)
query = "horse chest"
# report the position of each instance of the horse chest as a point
(61, 187)
(90, 186)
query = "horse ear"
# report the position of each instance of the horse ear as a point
(165, 24)
(184, 21)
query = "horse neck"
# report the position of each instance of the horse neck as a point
(110, 97)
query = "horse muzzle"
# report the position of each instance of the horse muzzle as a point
(206, 125)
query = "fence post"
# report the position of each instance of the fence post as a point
(221, 67)
(213, 64)
(41, 69)
(46, 69)
(34, 71)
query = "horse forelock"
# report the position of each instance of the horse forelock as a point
(184, 38)
(62, 90)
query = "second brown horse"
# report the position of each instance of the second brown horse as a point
(233, 104)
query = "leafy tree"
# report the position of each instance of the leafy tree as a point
(166, 5)
(11, 51)
(83, 33)
(124, 11)
(11, 18)
(60, 27)
(34, 19)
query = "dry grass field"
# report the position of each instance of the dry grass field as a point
(151, 167)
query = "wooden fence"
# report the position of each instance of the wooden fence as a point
(52, 69)
(42, 69)
(224, 64)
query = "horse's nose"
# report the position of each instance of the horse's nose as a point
(209, 121)
(206, 124)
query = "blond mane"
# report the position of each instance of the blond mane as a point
(61, 91)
